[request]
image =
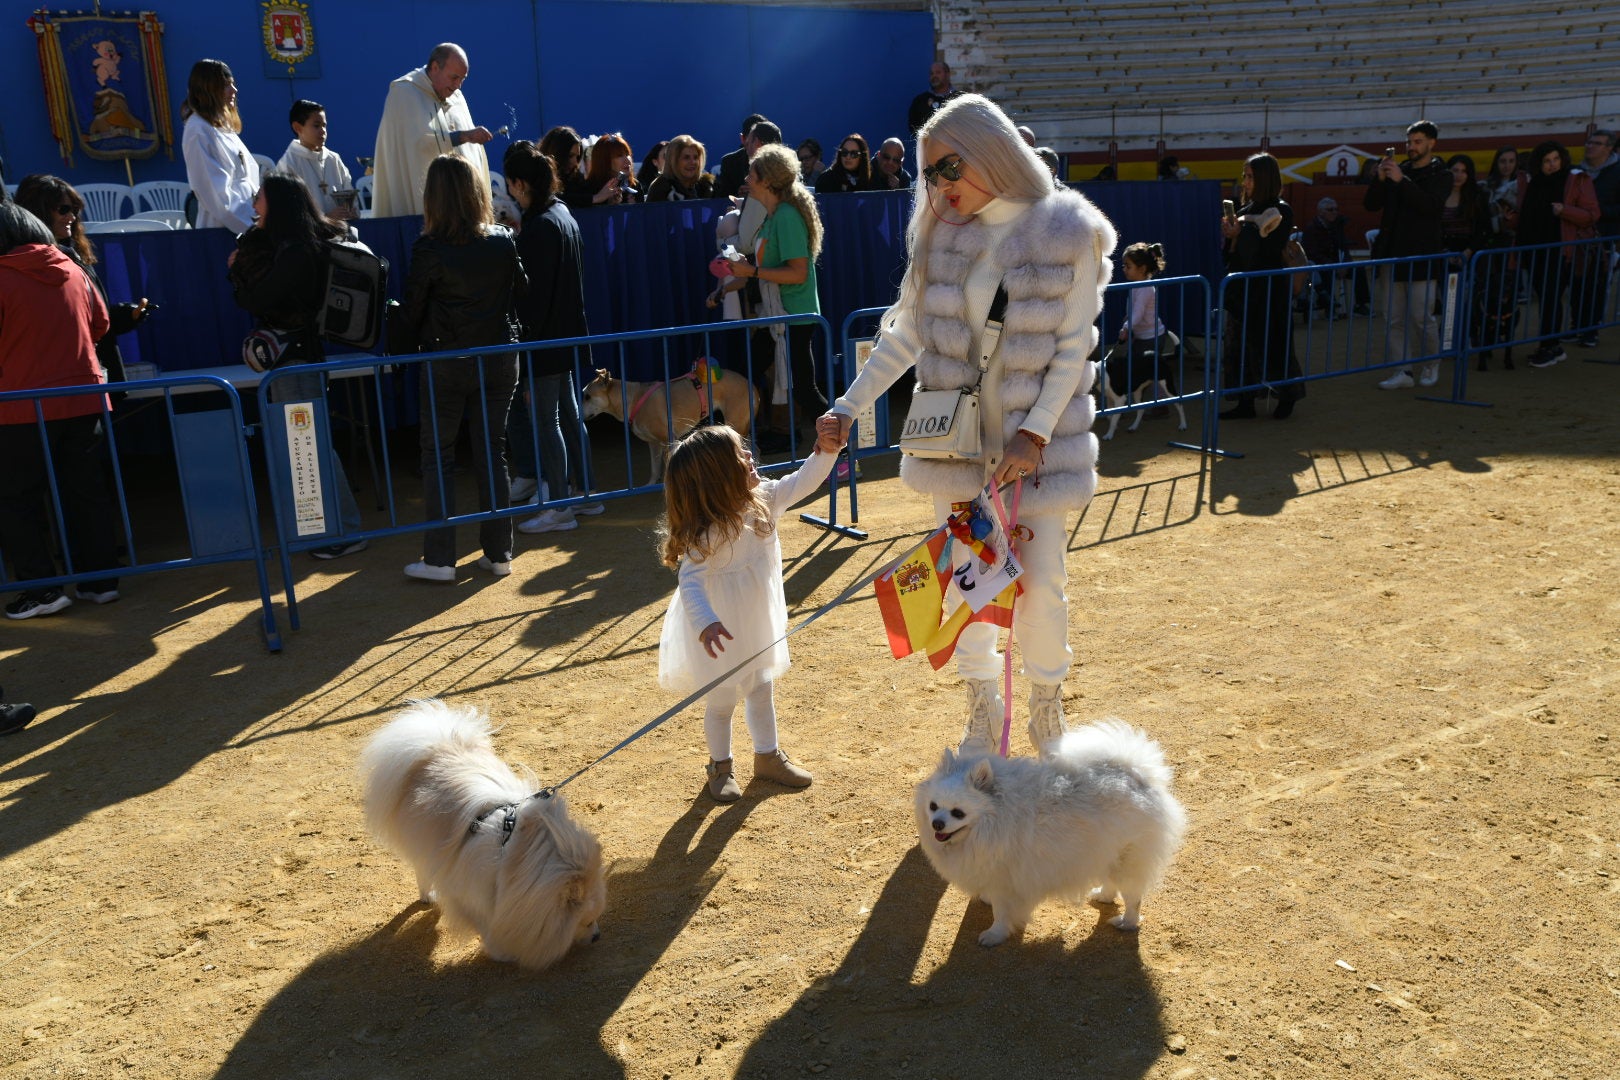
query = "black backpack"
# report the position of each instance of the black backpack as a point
(356, 295)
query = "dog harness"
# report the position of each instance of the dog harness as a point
(696, 377)
(509, 820)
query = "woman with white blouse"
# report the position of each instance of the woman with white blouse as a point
(222, 173)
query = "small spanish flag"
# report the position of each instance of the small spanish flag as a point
(998, 611)
(911, 596)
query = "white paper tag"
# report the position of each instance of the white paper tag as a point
(304, 466)
(975, 583)
(866, 419)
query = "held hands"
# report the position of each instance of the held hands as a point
(710, 637)
(832, 431)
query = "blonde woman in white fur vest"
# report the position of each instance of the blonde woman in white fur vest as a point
(987, 212)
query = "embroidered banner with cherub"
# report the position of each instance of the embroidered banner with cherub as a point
(105, 88)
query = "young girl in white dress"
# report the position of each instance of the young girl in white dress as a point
(719, 532)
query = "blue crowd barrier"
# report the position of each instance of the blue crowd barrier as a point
(218, 503)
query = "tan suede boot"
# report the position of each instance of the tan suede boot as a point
(1046, 726)
(986, 711)
(778, 768)
(722, 785)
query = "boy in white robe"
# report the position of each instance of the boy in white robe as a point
(307, 156)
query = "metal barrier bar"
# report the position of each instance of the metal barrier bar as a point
(238, 537)
(404, 365)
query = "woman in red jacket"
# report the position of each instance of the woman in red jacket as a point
(51, 317)
(1557, 204)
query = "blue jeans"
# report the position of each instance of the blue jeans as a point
(311, 386)
(556, 409)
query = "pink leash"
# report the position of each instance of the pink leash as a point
(647, 393)
(1007, 673)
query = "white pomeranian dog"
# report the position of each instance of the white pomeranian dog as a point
(1095, 817)
(499, 859)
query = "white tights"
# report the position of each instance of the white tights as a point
(759, 710)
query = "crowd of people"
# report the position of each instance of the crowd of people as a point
(498, 266)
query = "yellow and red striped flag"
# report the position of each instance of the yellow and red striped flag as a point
(998, 611)
(911, 596)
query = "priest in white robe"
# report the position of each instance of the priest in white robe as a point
(425, 116)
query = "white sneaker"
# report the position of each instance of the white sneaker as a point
(499, 569)
(523, 489)
(590, 509)
(549, 521)
(422, 571)
(1429, 374)
(1398, 381)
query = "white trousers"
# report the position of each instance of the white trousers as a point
(1041, 614)
(759, 709)
(1414, 328)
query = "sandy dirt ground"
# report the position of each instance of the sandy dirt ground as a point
(1380, 651)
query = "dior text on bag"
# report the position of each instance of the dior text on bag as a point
(945, 423)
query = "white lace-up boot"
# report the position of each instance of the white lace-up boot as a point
(1046, 718)
(985, 713)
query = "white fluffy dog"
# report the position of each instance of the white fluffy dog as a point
(1096, 816)
(498, 859)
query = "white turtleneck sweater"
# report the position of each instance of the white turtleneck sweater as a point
(900, 344)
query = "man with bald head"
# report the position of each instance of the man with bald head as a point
(425, 116)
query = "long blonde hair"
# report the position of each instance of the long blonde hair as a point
(778, 169)
(707, 500)
(977, 129)
(455, 206)
(672, 157)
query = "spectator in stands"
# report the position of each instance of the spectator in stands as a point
(1557, 204)
(810, 164)
(890, 174)
(1259, 310)
(1107, 174)
(734, 166)
(1502, 192)
(784, 263)
(1592, 288)
(1028, 135)
(221, 172)
(55, 202)
(553, 307)
(50, 320)
(1325, 244)
(607, 181)
(307, 157)
(564, 146)
(1169, 168)
(990, 213)
(850, 171)
(651, 166)
(424, 115)
(464, 284)
(933, 99)
(1409, 196)
(1049, 158)
(683, 176)
(1465, 217)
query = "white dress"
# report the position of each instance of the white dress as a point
(740, 586)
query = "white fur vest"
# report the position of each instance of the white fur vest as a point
(1044, 255)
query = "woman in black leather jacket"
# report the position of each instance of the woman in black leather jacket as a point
(1260, 309)
(464, 281)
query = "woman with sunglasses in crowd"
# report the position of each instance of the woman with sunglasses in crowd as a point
(851, 170)
(991, 221)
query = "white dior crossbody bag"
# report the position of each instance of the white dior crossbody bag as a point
(945, 423)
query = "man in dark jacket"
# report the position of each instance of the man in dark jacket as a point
(1325, 244)
(889, 168)
(734, 166)
(1410, 196)
(930, 101)
(1592, 289)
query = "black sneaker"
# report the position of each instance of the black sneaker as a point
(13, 718)
(340, 549)
(1587, 341)
(1547, 357)
(44, 602)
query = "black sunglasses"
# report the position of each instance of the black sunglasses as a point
(68, 208)
(851, 153)
(892, 159)
(949, 167)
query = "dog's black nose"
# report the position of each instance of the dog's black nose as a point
(596, 937)
(939, 824)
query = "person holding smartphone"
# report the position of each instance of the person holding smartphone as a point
(607, 182)
(1410, 196)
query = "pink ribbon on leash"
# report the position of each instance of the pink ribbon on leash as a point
(1009, 527)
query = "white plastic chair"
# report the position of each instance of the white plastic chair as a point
(126, 225)
(106, 202)
(363, 185)
(161, 195)
(497, 185)
(174, 219)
